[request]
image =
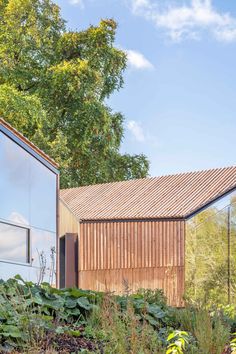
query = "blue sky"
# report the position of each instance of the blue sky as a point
(179, 96)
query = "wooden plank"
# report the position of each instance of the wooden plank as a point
(150, 245)
(174, 243)
(135, 244)
(98, 265)
(125, 245)
(139, 245)
(102, 245)
(160, 250)
(118, 245)
(115, 246)
(128, 244)
(167, 236)
(81, 248)
(92, 246)
(85, 246)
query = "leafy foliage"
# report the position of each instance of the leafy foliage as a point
(233, 343)
(38, 317)
(177, 340)
(210, 266)
(54, 87)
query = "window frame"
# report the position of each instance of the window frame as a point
(28, 246)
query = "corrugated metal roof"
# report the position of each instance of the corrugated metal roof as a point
(28, 142)
(172, 196)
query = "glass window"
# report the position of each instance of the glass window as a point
(14, 243)
(14, 182)
(43, 248)
(210, 253)
(27, 187)
(42, 196)
(42, 242)
(207, 257)
(232, 249)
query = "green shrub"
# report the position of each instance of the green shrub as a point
(210, 332)
(123, 331)
(34, 318)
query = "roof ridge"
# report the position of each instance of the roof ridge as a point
(170, 196)
(149, 178)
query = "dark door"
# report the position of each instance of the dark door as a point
(69, 261)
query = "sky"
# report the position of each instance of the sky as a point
(179, 95)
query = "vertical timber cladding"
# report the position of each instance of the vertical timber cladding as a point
(142, 254)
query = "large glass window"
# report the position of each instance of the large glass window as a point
(232, 250)
(28, 192)
(42, 196)
(27, 187)
(14, 182)
(210, 253)
(14, 243)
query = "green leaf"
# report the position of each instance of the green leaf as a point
(84, 303)
(10, 331)
(151, 320)
(70, 303)
(74, 333)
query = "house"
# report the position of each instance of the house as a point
(28, 209)
(174, 232)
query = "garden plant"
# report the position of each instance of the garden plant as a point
(42, 319)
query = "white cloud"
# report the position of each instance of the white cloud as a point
(18, 218)
(188, 21)
(137, 60)
(136, 129)
(140, 4)
(77, 2)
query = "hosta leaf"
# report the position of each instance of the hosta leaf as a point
(151, 320)
(76, 292)
(38, 300)
(71, 303)
(156, 311)
(84, 303)
(73, 312)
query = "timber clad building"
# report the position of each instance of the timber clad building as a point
(176, 232)
(170, 232)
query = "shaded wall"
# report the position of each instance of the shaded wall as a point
(68, 247)
(140, 254)
(67, 221)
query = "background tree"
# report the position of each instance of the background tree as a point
(210, 249)
(54, 87)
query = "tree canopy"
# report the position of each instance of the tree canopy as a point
(54, 86)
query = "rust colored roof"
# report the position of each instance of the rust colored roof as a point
(172, 196)
(28, 142)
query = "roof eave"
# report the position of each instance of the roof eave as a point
(131, 219)
(205, 206)
(27, 145)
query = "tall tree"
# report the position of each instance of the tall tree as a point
(54, 87)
